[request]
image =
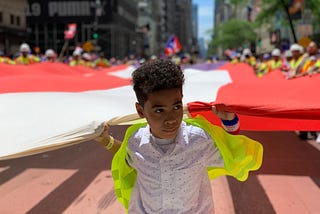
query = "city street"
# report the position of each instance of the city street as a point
(77, 179)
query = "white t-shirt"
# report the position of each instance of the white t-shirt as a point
(172, 175)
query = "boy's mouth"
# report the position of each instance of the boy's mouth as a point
(171, 130)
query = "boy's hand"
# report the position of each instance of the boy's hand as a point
(224, 115)
(104, 137)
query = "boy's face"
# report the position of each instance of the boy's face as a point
(163, 111)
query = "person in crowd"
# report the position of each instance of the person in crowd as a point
(312, 62)
(153, 57)
(26, 58)
(132, 60)
(235, 58)
(262, 67)
(161, 166)
(275, 62)
(298, 60)
(286, 61)
(50, 56)
(248, 58)
(101, 62)
(37, 53)
(86, 57)
(76, 59)
(5, 59)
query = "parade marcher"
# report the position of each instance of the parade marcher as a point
(132, 60)
(86, 57)
(50, 56)
(235, 58)
(286, 61)
(76, 59)
(276, 61)
(37, 54)
(248, 57)
(262, 67)
(298, 60)
(6, 60)
(161, 166)
(311, 63)
(26, 57)
(315, 68)
(101, 62)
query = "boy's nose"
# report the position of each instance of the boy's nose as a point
(170, 121)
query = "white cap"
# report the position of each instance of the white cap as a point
(276, 52)
(153, 57)
(296, 47)
(24, 47)
(50, 53)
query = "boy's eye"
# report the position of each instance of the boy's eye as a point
(176, 107)
(158, 110)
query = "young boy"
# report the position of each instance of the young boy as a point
(161, 166)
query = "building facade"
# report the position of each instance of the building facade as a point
(117, 28)
(109, 25)
(12, 25)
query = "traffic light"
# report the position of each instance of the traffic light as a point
(95, 35)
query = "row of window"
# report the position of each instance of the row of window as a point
(14, 20)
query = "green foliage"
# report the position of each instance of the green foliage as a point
(232, 34)
(269, 7)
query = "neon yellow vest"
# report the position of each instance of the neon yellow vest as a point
(240, 154)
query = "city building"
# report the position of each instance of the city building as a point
(12, 25)
(110, 26)
(117, 28)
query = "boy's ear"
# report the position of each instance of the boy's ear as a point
(139, 110)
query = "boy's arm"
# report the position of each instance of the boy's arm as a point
(107, 141)
(230, 120)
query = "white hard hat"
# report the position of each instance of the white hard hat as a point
(24, 47)
(76, 53)
(296, 47)
(276, 52)
(50, 53)
(246, 52)
(86, 56)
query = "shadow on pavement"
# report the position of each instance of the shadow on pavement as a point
(284, 154)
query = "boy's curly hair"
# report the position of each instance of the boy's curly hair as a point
(156, 75)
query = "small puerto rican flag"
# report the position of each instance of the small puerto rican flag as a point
(173, 46)
(71, 32)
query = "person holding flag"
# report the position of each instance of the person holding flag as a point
(162, 166)
(26, 57)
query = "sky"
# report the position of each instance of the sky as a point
(205, 17)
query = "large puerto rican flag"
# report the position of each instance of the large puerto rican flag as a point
(50, 105)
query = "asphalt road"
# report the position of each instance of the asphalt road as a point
(77, 179)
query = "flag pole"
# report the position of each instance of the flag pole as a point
(65, 45)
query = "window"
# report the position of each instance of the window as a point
(11, 19)
(1, 17)
(18, 20)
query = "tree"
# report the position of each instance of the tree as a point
(232, 34)
(268, 8)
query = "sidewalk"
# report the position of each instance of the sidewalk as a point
(78, 180)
